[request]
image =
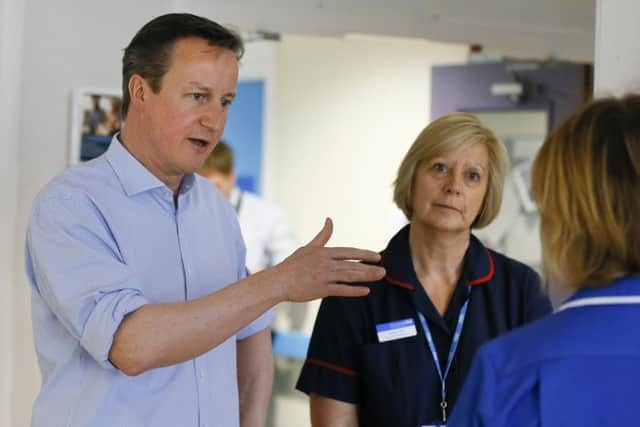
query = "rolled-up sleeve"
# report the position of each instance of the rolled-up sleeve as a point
(74, 264)
(262, 322)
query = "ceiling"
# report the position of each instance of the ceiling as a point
(561, 29)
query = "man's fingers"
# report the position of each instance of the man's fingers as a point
(347, 291)
(350, 272)
(354, 254)
(324, 235)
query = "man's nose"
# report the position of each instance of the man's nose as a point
(214, 118)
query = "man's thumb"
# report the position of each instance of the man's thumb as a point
(324, 235)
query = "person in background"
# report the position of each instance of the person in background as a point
(263, 224)
(399, 356)
(143, 313)
(581, 366)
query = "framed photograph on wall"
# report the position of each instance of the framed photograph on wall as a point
(95, 118)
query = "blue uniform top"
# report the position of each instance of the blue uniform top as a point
(395, 382)
(579, 367)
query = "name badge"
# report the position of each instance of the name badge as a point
(396, 330)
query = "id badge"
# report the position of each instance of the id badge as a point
(396, 330)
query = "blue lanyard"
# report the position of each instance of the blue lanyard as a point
(452, 352)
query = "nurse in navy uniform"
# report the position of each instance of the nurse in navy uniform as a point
(399, 356)
(581, 366)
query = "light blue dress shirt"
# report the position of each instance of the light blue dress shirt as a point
(105, 238)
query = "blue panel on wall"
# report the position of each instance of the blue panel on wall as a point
(247, 183)
(244, 132)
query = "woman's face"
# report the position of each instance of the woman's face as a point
(448, 190)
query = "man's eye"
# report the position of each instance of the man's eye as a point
(198, 97)
(226, 102)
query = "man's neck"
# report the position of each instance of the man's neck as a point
(133, 142)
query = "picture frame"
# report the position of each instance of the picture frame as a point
(95, 118)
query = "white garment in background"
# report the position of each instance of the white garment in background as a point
(264, 229)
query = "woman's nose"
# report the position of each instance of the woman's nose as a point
(453, 184)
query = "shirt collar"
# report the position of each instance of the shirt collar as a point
(625, 286)
(478, 264)
(234, 197)
(133, 175)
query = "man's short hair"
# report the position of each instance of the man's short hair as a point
(220, 160)
(149, 53)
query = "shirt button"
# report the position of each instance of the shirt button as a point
(201, 375)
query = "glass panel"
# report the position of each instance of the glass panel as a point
(515, 231)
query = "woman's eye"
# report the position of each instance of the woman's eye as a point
(439, 167)
(473, 176)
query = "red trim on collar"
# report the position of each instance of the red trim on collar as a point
(399, 283)
(393, 281)
(489, 276)
(333, 367)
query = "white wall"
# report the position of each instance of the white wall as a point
(617, 55)
(348, 109)
(11, 28)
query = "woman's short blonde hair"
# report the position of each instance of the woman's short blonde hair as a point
(443, 136)
(586, 182)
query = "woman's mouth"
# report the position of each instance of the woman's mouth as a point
(449, 207)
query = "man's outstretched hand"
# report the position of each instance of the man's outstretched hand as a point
(315, 271)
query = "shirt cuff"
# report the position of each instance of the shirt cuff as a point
(262, 322)
(104, 320)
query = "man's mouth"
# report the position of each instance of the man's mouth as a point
(201, 143)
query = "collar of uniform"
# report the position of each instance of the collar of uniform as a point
(133, 175)
(234, 197)
(625, 286)
(396, 259)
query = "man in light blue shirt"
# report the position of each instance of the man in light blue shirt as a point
(143, 313)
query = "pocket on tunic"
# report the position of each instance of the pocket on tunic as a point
(388, 378)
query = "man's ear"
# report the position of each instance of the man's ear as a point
(138, 88)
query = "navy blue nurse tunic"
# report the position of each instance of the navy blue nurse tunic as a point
(395, 383)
